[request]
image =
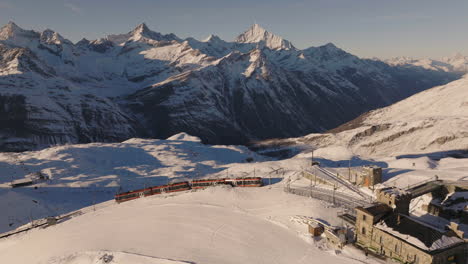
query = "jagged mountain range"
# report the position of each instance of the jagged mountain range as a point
(455, 63)
(147, 84)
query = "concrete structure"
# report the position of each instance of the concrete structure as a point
(336, 238)
(384, 230)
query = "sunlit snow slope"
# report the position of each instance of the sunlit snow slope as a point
(81, 175)
(432, 121)
(218, 225)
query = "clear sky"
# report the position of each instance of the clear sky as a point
(367, 28)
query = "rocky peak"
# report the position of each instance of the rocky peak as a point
(257, 34)
(51, 37)
(12, 31)
(327, 52)
(83, 42)
(142, 31)
(213, 38)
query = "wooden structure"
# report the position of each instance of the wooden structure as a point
(316, 229)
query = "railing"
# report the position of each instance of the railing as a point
(432, 179)
(335, 198)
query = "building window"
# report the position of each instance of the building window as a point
(364, 217)
(363, 231)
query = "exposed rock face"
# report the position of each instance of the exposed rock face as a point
(433, 121)
(144, 83)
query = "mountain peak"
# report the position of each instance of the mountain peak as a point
(141, 29)
(12, 25)
(11, 30)
(257, 34)
(212, 38)
(51, 37)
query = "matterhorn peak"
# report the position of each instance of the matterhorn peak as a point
(257, 34)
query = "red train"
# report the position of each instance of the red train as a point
(182, 186)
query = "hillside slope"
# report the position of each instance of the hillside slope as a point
(435, 120)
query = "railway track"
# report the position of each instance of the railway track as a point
(329, 176)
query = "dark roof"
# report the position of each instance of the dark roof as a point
(376, 209)
(407, 226)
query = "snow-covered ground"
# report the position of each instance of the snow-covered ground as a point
(216, 225)
(81, 175)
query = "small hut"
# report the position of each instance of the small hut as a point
(316, 229)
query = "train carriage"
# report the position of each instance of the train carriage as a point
(130, 195)
(203, 183)
(247, 182)
(182, 186)
(176, 187)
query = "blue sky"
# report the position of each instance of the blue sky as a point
(367, 28)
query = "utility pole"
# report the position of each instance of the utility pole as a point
(310, 186)
(349, 170)
(312, 159)
(334, 188)
(315, 177)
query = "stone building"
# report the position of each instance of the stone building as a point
(395, 198)
(384, 230)
(366, 175)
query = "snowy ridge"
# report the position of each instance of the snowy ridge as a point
(455, 63)
(147, 84)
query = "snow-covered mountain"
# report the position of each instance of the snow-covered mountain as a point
(455, 63)
(433, 121)
(144, 83)
(258, 35)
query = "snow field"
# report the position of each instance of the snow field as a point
(217, 225)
